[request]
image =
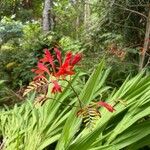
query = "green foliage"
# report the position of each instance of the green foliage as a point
(29, 121)
(120, 23)
(22, 9)
(10, 29)
(21, 125)
(55, 124)
(68, 44)
(113, 131)
(21, 45)
(7, 96)
(66, 14)
(16, 65)
(87, 95)
(17, 56)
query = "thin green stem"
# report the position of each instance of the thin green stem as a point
(80, 102)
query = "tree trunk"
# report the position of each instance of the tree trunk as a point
(47, 16)
(146, 43)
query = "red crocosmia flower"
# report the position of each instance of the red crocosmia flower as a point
(56, 88)
(65, 70)
(76, 59)
(42, 67)
(58, 55)
(50, 58)
(68, 57)
(106, 105)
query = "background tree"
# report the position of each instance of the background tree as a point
(48, 21)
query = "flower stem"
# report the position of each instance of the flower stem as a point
(80, 102)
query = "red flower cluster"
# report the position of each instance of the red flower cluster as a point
(61, 69)
(106, 105)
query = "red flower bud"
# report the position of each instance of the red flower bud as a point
(106, 105)
(76, 59)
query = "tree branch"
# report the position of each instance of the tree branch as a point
(146, 5)
(133, 11)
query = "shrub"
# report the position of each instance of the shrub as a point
(10, 29)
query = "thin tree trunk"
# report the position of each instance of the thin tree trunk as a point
(146, 43)
(47, 16)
